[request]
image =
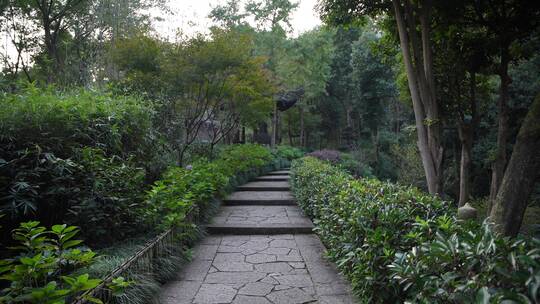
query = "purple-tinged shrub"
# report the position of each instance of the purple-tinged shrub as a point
(332, 156)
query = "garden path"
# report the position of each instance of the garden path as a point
(261, 249)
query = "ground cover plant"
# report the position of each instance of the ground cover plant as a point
(398, 243)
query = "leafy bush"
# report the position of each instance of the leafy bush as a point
(242, 158)
(381, 235)
(332, 156)
(58, 122)
(470, 266)
(74, 156)
(184, 192)
(111, 198)
(354, 166)
(43, 271)
(288, 152)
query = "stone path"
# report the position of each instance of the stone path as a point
(261, 250)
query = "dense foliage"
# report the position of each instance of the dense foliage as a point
(397, 243)
(189, 192)
(77, 157)
(44, 269)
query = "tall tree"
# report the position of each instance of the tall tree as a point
(340, 85)
(228, 15)
(519, 179)
(508, 25)
(273, 18)
(306, 64)
(373, 88)
(413, 20)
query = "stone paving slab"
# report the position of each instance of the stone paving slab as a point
(260, 198)
(260, 220)
(273, 178)
(268, 269)
(265, 186)
(281, 172)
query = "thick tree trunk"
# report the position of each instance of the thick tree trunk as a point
(418, 66)
(522, 173)
(498, 166)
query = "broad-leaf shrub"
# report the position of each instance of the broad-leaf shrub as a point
(384, 238)
(470, 266)
(235, 159)
(182, 192)
(74, 157)
(43, 270)
(179, 197)
(287, 152)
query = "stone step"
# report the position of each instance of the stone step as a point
(251, 220)
(260, 198)
(273, 178)
(265, 186)
(281, 172)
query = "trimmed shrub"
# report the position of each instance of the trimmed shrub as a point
(384, 236)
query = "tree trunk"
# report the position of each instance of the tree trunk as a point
(522, 173)
(302, 129)
(289, 128)
(274, 126)
(348, 112)
(466, 139)
(498, 166)
(418, 66)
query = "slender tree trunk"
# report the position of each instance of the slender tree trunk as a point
(523, 171)
(348, 112)
(278, 128)
(418, 66)
(289, 128)
(302, 129)
(375, 140)
(243, 135)
(498, 166)
(466, 137)
(274, 126)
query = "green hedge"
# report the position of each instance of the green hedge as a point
(399, 244)
(77, 157)
(183, 192)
